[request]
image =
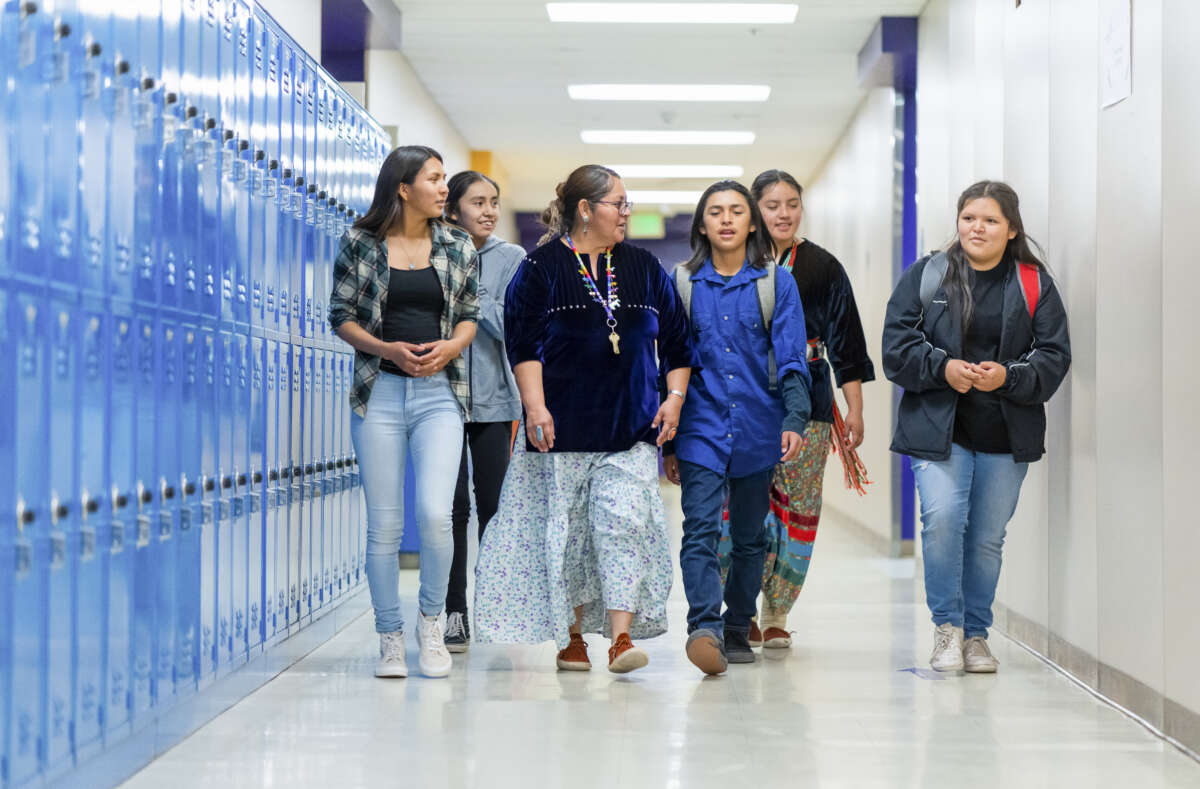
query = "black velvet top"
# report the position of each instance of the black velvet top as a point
(831, 315)
(600, 401)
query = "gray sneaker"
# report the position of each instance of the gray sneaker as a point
(947, 648)
(706, 652)
(977, 658)
(391, 656)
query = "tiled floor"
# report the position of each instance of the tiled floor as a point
(837, 710)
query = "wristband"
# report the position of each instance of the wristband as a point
(677, 393)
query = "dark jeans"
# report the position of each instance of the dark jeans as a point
(491, 445)
(703, 498)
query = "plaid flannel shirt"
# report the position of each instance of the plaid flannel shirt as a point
(360, 293)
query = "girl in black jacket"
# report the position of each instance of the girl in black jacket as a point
(979, 343)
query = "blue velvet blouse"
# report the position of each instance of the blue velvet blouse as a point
(600, 401)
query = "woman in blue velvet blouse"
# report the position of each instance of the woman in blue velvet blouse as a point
(580, 541)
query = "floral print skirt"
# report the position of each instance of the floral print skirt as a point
(574, 529)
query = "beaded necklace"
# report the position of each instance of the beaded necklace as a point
(614, 299)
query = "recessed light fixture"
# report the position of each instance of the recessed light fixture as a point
(663, 197)
(678, 170)
(669, 92)
(622, 137)
(675, 13)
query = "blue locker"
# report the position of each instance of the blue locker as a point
(145, 561)
(211, 509)
(27, 330)
(94, 506)
(328, 478)
(256, 504)
(338, 459)
(321, 527)
(244, 519)
(63, 469)
(191, 516)
(148, 123)
(310, 533)
(225, 541)
(93, 176)
(120, 538)
(123, 170)
(28, 112)
(8, 37)
(62, 178)
(297, 570)
(165, 537)
(270, 462)
(8, 524)
(348, 521)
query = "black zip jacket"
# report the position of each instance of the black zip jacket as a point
(918, 343)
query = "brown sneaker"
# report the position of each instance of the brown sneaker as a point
(776, 638)
(574, 657)
(624, 657)
(756, 639)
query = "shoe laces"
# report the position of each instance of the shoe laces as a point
(977, 647)
(392, 647)
(431, 634)
(454, 626)
(944, 639)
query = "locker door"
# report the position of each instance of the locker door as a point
(310, 551)
(27, 331)
(338, 458)
(226, 405)
(147, 122)
(349, 524)
(196, 194)
(315, 478)
(211, 504)
(147, 355)
(328, 476)
(8, 50)
(191, 515)
(124, 167)
(93, 504)
(28, 112)
(256, 511)
(8, 525)
(270, 462)
(165, 538)
(238, 58)
(63, 457)
(121, 539)
(297, 539)
(286, 563)
(63, 139)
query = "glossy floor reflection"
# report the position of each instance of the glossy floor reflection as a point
(837, 710)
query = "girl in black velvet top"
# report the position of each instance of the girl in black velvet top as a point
(837, 350)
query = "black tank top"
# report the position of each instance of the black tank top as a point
(414, 310)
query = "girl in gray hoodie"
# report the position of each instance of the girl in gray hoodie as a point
(474, 205)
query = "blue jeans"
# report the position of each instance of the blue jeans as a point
(421, 416)
(966, 503)
(703, 498)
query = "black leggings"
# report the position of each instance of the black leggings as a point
(491, 446)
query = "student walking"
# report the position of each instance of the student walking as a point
(747, 410)
(977, 337)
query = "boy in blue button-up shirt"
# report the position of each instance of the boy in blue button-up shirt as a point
(734, 426)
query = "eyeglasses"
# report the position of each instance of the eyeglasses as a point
(622, 206)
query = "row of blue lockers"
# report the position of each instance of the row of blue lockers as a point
(178, 488)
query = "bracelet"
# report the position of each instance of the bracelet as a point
(677, 393)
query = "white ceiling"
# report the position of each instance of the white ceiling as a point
(500, 70)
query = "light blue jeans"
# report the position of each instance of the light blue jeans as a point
(421, 416)
(966, 503)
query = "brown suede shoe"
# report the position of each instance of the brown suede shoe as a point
(705, 651)
(624, 657)
(756, 636)
(574, 657)
(776, 638)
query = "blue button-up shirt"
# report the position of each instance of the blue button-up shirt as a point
(731, 422)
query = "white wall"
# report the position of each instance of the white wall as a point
(1100, 563)
(848, 210)
(302, 21)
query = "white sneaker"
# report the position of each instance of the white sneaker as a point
(391, 656)
(977, 658)
(947, 648)
(435, 658)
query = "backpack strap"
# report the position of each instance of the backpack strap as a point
(932, 276)
(1031, 285)
(766, 308)
(683, 284)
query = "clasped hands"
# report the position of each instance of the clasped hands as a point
(985, 376)
(422, 359)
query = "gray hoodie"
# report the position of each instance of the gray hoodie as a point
(494, 395)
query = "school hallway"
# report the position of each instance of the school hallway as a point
(851, 704)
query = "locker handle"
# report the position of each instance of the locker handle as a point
(273, 476)
(92, 505)
(122, 66)
(287, 172)
(189, 488)
(210, 123)
(241, 480)
(208, 485)
(320, 467)
(227, 482)
(299, 181)
(259, 155)
(312, 188)
(308, 469)
(27, 516)
(29, 9)
(297, 472)
(61, 511)
(148, 83)
(320, 195)
(169, 492)
(257, 477)
(273, 164)
(122, 501)
(94, 50)
(228, 135)
(171, 98)
(243, 145)
(62, 31)
(192, 112)
(147, 497)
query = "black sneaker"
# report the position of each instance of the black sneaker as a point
(737, 647)
(458, 632)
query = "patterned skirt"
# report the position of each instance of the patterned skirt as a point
(574, 529)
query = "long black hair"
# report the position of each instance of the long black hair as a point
(458, 186)
(759, 250)
(387, 207)
(589, 182)
(1020, 248)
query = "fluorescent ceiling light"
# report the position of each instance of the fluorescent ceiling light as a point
(620, 137)
(663, 197)
(669, 92)
(675, 13)
(678, 170)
